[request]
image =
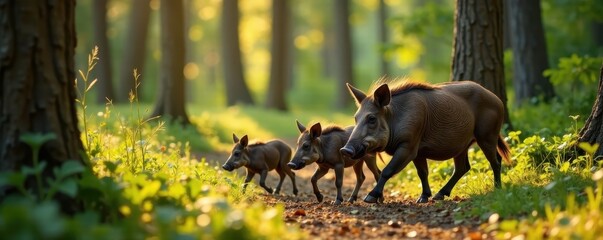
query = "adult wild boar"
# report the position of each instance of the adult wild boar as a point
(322, 147)
(416, 121)
(260, 158)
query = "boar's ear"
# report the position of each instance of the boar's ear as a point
(315, 131)
(235, 139)
(356, 93)
(244, 141)
(300, 127)
(382, 95)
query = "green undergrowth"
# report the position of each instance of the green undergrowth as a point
(138, 180)
(549, 189)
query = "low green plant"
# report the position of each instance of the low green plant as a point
(136, 186)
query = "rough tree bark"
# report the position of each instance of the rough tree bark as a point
(171, 101)
(279, 65)
(477, 53)
(236, 88)
(530, 57)
(37, 72)
(134, 47)
(592, 132)
(103, 69)
(343, 52)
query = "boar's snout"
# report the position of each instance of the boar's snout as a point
(347, 151)
(227, 167)
(353, 152)
(294, 166)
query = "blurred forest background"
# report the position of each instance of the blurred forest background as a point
(393, 38)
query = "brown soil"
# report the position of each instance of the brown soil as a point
(399, 217)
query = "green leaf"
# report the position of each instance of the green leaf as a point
(37, 139)
(150, 189)
(26, 170)
(589, 148)
(70, 167)
(12, 179)
(111, 166)
(68, 187)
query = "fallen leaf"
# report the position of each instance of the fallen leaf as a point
(299, 212)
(475, 236)
(354, 212)
(411, 234)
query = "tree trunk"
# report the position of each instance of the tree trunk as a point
(134, 47)
(529, 51)
(171, 101)
(236, 88)
(37, 72)
(592, 132)
(279, 75)
(343, 52)
(382, 28)
(477, 53)
(103, 68)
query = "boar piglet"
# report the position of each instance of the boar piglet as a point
(322, 147)
(260, 158)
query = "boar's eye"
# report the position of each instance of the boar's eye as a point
(236, 154)
(306, 146)
(371, 119)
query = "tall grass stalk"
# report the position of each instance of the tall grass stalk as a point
(81, 100)
(139, 121)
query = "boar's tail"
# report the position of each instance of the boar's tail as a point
(503, 150)
(380, 157)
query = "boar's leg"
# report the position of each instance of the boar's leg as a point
(291, 175)
(338, 182)
(359, 180)
(371, 163)
(281, 175)
(318, 174)
(403, 155)
(248, 178)
(263, 175)
(423, 172)
(461, 166)
(489, 150)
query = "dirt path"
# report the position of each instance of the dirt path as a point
(399, 217)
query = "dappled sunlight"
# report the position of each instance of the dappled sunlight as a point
(191, 71)
(195, 33)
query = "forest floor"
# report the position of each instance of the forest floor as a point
(399, 217)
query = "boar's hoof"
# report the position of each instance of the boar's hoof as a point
(439, 196)
(337, 202)
(373, 197)
(352, 199)
(269, 190)
(423, 199)
(319, 197)
(295, 192)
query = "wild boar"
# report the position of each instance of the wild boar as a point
(322, 147)
(260, 158)
(417, 121)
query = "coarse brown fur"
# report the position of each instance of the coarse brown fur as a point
(260, 158)
(417, 121)
(322, 147)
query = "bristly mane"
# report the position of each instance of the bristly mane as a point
(332, 128)
(255, 143)
(397, 86)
